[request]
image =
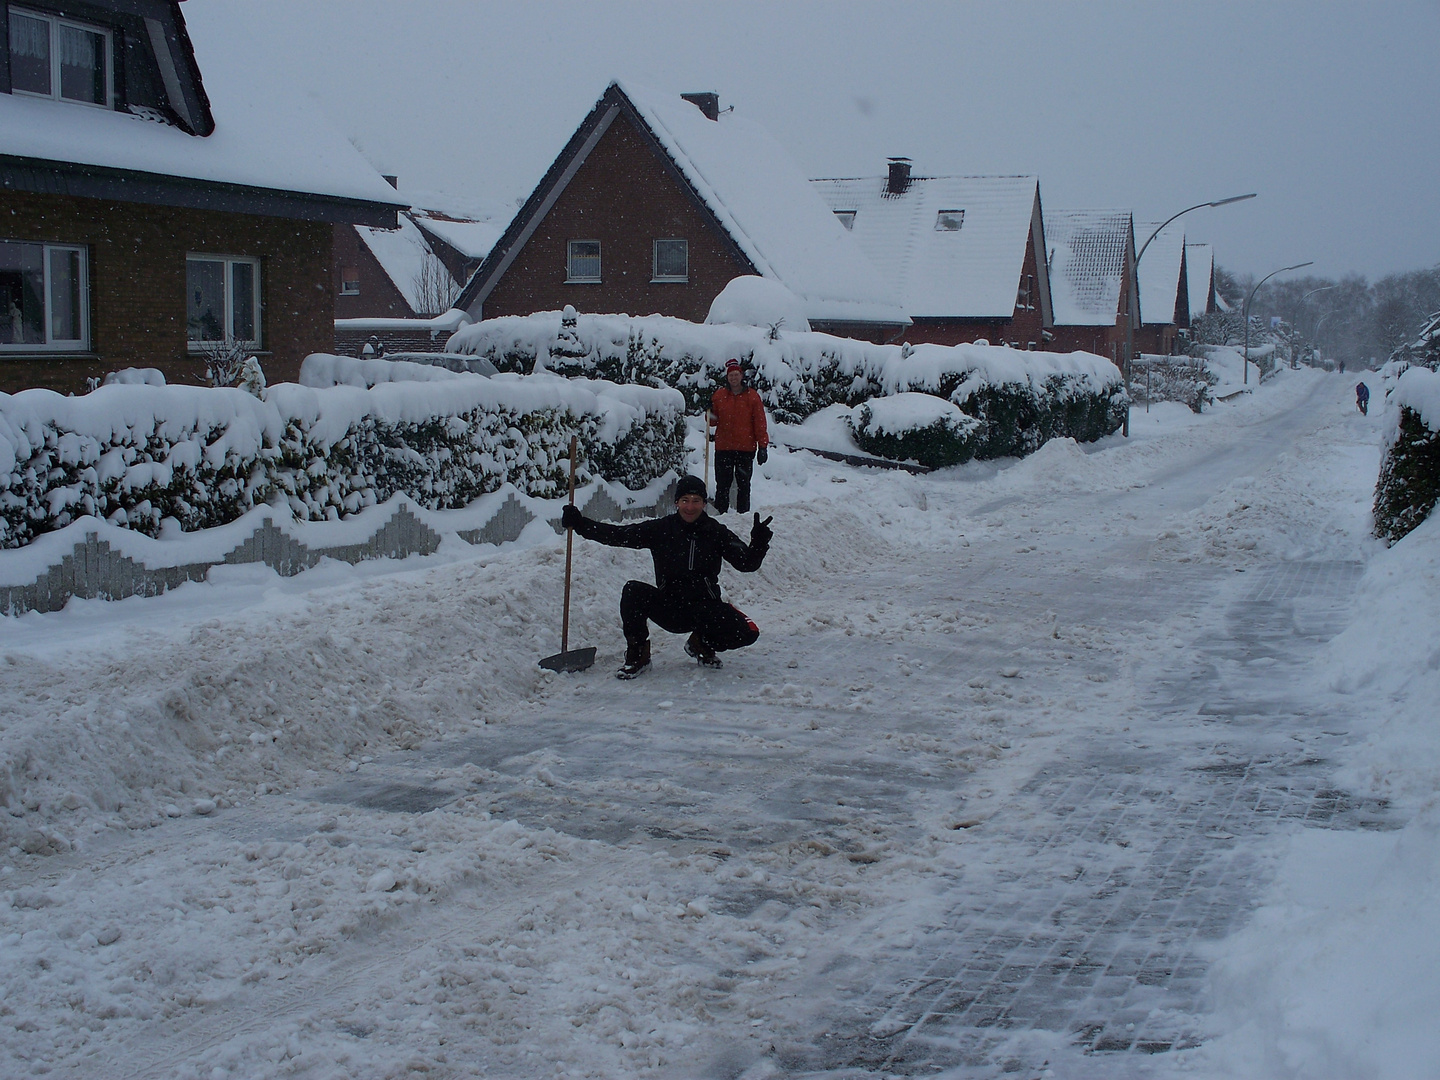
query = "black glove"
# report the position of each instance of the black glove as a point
(762, 455)
(760, 532)
(571, 517)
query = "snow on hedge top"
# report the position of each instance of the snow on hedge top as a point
(1418, 390)
(953, 245)
(763, 200)
(264, 136)
(895, 368)
(756, 301)
(1090, 250)
(1199, 269)
(910, 411)
(1159, 271)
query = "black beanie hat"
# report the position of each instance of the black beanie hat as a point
(690, 485)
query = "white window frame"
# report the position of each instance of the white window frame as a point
(349, 286)
(198, 346)
(655, 276)
(68, 345)
(570, 278)
(54, 95)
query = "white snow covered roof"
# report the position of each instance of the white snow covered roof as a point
(469, 237)
(762, 199)
(264, 137)
(1159, 272)
(1088, 256)
(1199, 266)
(967, 272)
(401, 253)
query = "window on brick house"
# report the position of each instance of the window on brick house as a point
(1025, 295)
(671, 261)
(349, 281)
(582, 261)
(58, 58)
(222, 300)
(44, 297)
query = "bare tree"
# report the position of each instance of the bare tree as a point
(435, 289)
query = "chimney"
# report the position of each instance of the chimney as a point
(709, 104)
(898, 181)
(393, 181)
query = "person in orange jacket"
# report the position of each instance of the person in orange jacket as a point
(741, 438)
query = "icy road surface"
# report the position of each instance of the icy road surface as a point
(1005, 767)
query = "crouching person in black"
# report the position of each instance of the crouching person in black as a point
(687, 547)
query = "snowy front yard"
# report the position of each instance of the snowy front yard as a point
(1021, 748)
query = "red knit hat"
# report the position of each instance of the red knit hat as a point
(732, 365)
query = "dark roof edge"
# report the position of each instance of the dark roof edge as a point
(187, 50)
(123, 185)
(611, 104)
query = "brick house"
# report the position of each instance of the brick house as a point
(962, 251)
(656, 203)
(396, 285)
(1092, 280)
(149, 215)
(1200, 277)
(1164, 290)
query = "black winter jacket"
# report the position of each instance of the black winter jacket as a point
(687, 557)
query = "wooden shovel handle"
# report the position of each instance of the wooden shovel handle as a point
(569, 547)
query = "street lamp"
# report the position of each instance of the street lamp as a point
(1316, 329)
(1135, 300)
(1245, 314)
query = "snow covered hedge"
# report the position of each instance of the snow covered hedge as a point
(1409, 482)
(914, 427)
(140, 456)
(1020, 399)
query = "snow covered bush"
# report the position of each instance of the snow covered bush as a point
(1185, 379)
(1020, 398)
(140, 456)
(914, 427)
(1409, 481)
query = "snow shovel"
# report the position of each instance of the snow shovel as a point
(568, 659)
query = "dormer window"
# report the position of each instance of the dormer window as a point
(57, 58)
(847, 218)
(949, 220)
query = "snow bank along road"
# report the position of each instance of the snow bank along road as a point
(1004, 767)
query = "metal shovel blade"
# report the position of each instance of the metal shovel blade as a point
(574, 660)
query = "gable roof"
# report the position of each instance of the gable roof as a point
(254, 149)
(748, 186)
(1090, 252)
(1200, 272)
(402, 253)
(1158, 272)
(971, 272)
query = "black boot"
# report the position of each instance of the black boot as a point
(637, 659)
(700, 649)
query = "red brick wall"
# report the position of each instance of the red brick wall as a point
(137, 285)
(378, 297)
(622, 196)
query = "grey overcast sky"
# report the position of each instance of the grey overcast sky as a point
(1329, 110)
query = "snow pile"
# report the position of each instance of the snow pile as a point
(1336, 976)
(1022, 398)
(321, 370)
(1409, 482)
(138, 456)
(756, 301)
(914, 427)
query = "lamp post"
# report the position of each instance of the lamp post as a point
(1135, 300)
(1245, 314)
(1312, 292)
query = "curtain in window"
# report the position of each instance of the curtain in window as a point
(205, 299)
(82, 64)
(22, 294)
(29, 54)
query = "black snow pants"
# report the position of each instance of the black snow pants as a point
(722, 625)
(736, 465)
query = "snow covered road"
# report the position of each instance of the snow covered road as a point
(1006, 766)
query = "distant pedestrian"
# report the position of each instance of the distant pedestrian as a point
(1362, 398)
(741, 438)
(1342, 367)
